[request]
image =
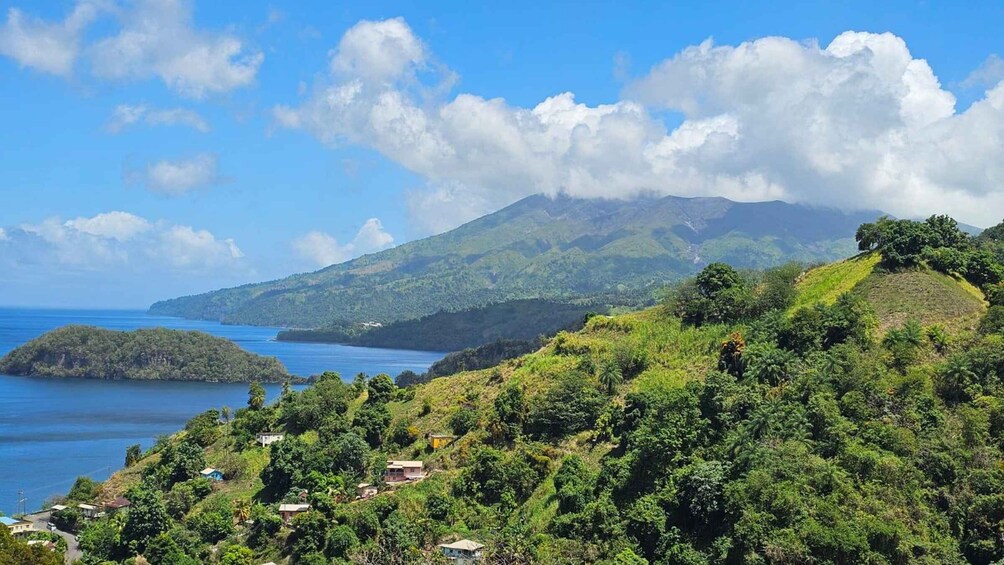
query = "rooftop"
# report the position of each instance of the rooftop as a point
(8, 521)
(404, 463)
(463, 545)
(209, 471)
(293, 507)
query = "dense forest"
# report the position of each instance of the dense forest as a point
(147, 354)
(784, 416)
(548, 248)
(520, 320)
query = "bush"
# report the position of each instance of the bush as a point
(571, 405)
(464, 420)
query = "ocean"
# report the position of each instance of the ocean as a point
(54, 430)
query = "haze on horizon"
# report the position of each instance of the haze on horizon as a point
(159, 148)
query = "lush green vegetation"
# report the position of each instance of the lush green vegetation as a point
(538, 248)
(521, 320)
(153, 354)
(763, 429)
(17, 551)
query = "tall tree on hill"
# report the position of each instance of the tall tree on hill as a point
(256, 396)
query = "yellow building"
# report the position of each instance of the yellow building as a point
(440, 440)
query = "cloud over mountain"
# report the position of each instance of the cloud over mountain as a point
(859, 123)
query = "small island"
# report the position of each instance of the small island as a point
(76, 351)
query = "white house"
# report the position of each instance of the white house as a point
(268, 438)
(89, 511)
(463, 551)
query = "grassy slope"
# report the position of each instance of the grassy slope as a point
(923, 295)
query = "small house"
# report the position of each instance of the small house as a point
(288, 511)
(212, 474)
(43, 543)
(437, 441)
(366, 490)
(398, 471)
(89, 511)
(58, 508)
(16, 526)
(463, 551)
(268, 438)
(118, 504)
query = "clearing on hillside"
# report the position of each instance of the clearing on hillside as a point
(826, 283)
(926, 296)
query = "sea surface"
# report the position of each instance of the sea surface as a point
(53, 430)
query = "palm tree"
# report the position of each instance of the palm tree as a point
(242, 510)
(610, 375)
(225, 412)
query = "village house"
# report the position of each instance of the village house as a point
(89, 511)
(366, 490)
(58, 508)
(437, 441)
(288, 511)
(16, 526)
(118, 504)
(212, 474)
(463, 551)
(44, 543)
(268, 438)
(398, 471)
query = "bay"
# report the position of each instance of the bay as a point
(53, 430)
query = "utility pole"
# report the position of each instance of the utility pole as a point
(22, 503)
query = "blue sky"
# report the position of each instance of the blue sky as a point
(161, 147)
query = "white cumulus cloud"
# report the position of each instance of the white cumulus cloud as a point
(321, 249)
(126, 115)
(179, 176)
(149, 39)
(158, 39)
(859, 123)
(50, 47)
(118, 240)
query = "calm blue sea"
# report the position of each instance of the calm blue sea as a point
(52, 431)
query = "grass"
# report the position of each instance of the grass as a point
(825, 284)
(923, 295)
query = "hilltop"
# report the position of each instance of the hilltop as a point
(146, 354)
(773, 417)
(538, 247)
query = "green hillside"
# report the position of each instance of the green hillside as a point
(537, 248)
(146, 354)
(762, 427)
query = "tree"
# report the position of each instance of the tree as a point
(286, 465)
(381, 389)
(225, 413)
(242, 510)
(256, 396)
(717, 278)
(309, 532)
(341, 540)
(133, 454)
(349, 454)
(101, 539)
(237, 555)
(610, 375)
(84, 489)
(18, 552)
(372, 420)
(146, 518)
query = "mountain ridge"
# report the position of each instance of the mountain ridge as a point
(537, 248)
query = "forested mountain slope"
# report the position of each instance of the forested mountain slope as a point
(752, 418)
(537, 248)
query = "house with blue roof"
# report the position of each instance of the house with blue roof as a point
(16, 526)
